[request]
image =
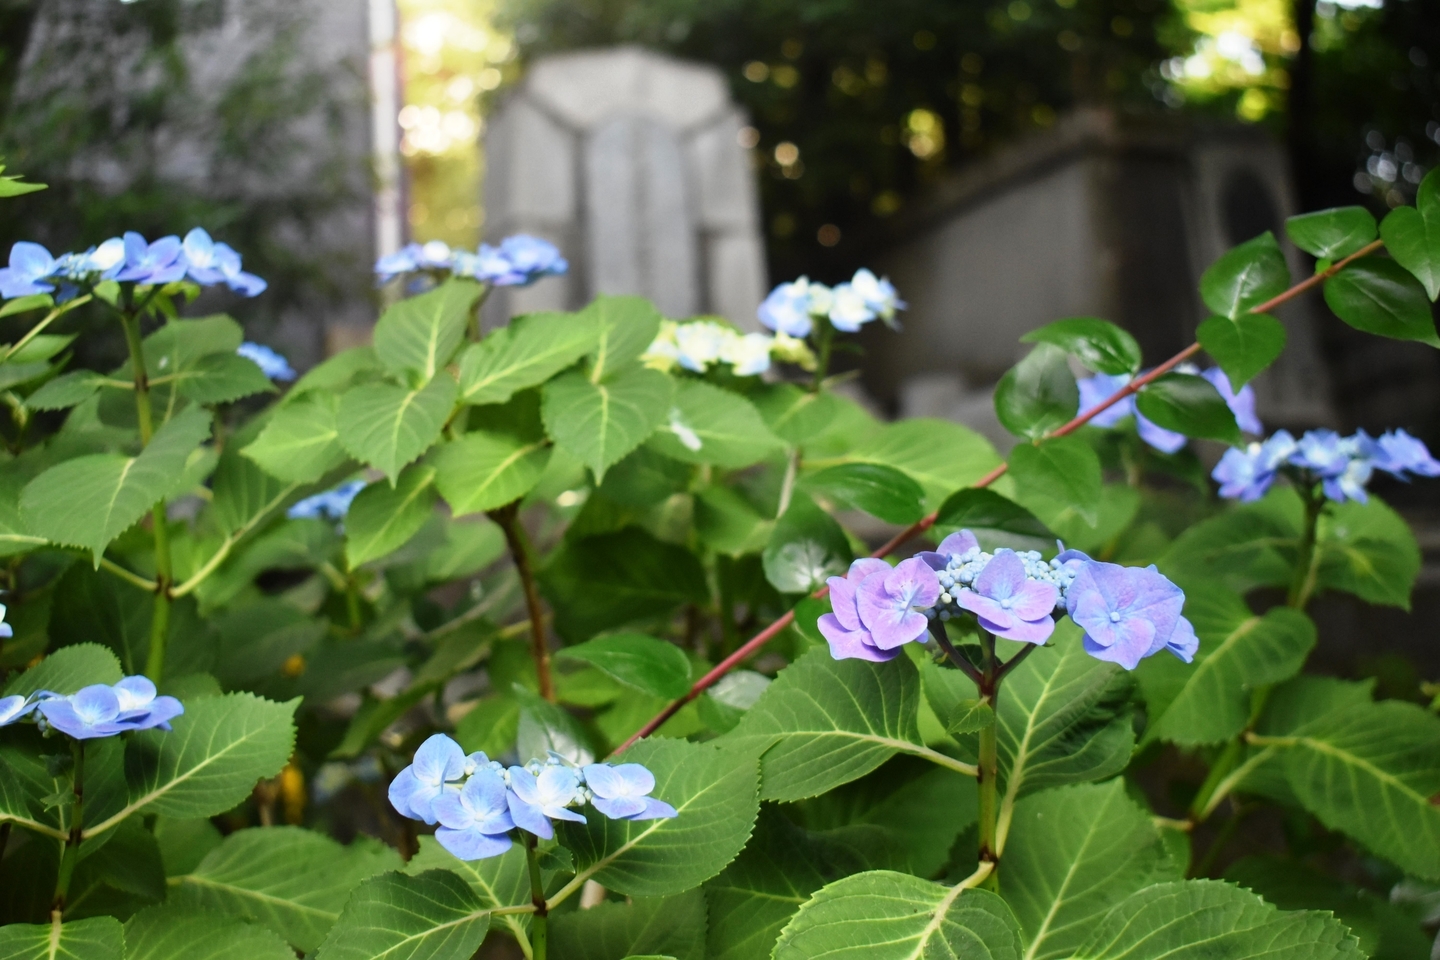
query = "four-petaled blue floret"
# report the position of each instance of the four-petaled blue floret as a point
(1342, 466)
(1128, 613)
(102, 710)
(272, 364)
(792, 308)
(517, 262)
(478, 803)
(329, 505)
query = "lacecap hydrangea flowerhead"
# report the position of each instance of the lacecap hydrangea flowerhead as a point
(517, 262)
(1127, 613)
(1343, 466)
(478, 803)
(99, 710)
(1096, 389)
(327, 505)
(792, 308)
(703, 345)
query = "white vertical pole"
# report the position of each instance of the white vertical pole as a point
(384, 126)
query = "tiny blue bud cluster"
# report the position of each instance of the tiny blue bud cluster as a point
(517, 262)
(99, 710)
(478, 803)
(1343, 466)
(961, 570)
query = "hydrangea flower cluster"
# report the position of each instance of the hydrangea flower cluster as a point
(329, 505)
(99, 710)
(1127, 613)
(1096, 389)
(792, 308)
(517, 262)
(700, 345)
(478, 802)
(272, 364)
(127, 259)
(1341, 465)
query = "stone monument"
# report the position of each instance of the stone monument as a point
(631, 163)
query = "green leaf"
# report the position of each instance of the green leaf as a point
(1332, 234)
(173, 349)
(337, 373)
(599, 423)
(1244, 547)
(880, 491)
(209, 762)
(484, 470)
(91, 500)
(502, 881)
(984, 511)
(491, 727)
(382, 518)
(34, 301)
(1063, 469)
(529, 351)
(1074, 853)
(603, 582)
(222, 378)
(939, 455)
(714, 790)
(648, 926)
(388, 426)
(244, 491)
(1038, 394)
(1412, 235)
(1098, 344)
(706, 424)
(824, 722)
(806, 548)
(67, 670)
(94, 605)
(1244, 346)
(291, 880)
(99, 938)
(545, 727)
(433, 916)
(1190, 405)
(1210, 920)
(728, 523)
(1118, 506)
(1369, 550)
(649, 665)
(883, 915)
(1379, 296)
(65, 391)
(1245, 277)
(1239, 651)
(175, 933)
(418, 335)
(793, 414)
(624, 329)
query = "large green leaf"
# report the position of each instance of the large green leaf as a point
(1190, 405)
(529, 351)
(95, 605)
(291, 880)
(824, 722)
(1244, 346)
(793, 414)
(598, 423)
(222, 378)
(1073, 854)
(1245, 277)
(67, 670)
(706, 424)
(624, 329)
(883, 915)
(806, 548)
(1210, 920)
(484, 469)
(1412, 235)
(1064, 470)
(433, 916)
(99, 938)
(649, 665)
(388, 426)
(91, 500)
(178, 933)
(983, 511)
(714, 790)
(502, 881)
(337, 373)
(301, 441)
(1379, 296)
(418, 335)
(1209, 701)
(382, 518)
(880, 491)
(1332, 234)
(1247, 546)
(939, 455)
(1038, 394)
(1369, 550)
(66, 390)
(1098, 344)
(647, 926)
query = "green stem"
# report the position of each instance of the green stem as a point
(474, 326)
(1227, 761)
(71, 855)
(826, 335)
(1307, 570)
(987, 776)
(537, 897)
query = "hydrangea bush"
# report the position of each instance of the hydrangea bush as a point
(577, 637)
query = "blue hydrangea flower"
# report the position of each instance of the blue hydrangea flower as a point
(790, 307)
(14, 708)
(879, 294)
(1349, 483)
(1241, 403)
(438, 766)
(209, 263)
(100, 710)
(1247, 474)
(140, 708)
(622, 792)
(1398, 453)
(152, 263)
(5, 629)
(531, 258)
(1129, 613)
(329, 505)
(1096, 389)
(698, 345)
(392, 265)
(536, 800)
(1008, 603)
(844, 629)
(848, 309)
(475, 820)
(748, 354)
(29, 264)
(891, 603)
(108, 259)
(272, 364)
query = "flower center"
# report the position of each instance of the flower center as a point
(1114, 616)
(1007, 603)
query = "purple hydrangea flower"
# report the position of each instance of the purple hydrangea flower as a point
(152, 263)
(1247, 474)
(1241, 403)
(272, 364)
(957, 544)
(1398, 453)
(475, 820)
(536, 800)
(843, 629)
(438, 765)
(1129, 613)
(29, 264)
(622, 792)
(1007, 603)
(100, 710)
(887, 602)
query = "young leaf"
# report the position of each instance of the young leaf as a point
(1063, 469)
(880, 491)
(882, 915)
(1412, 235)
(98, 938)
(1245, 277)
(388, 426)
(1190, 405)
(417, 336)
(1332, 234)
(1379, 296)
(624, 328)
(1098, 344)
(170, 932)
(806, 549)
(291, 880)
(91, 500)
(300, 442)
(1038, 394)
(599, 423)
(1244, 346)
(649, 665)
(939, 455)
(65, 391)
(1210, 920)
(709, 425)
(985, 511)
(1074, 853)
(382, 518)
(651, 927)
(714, 791)
(433, 916)
(531, 350)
